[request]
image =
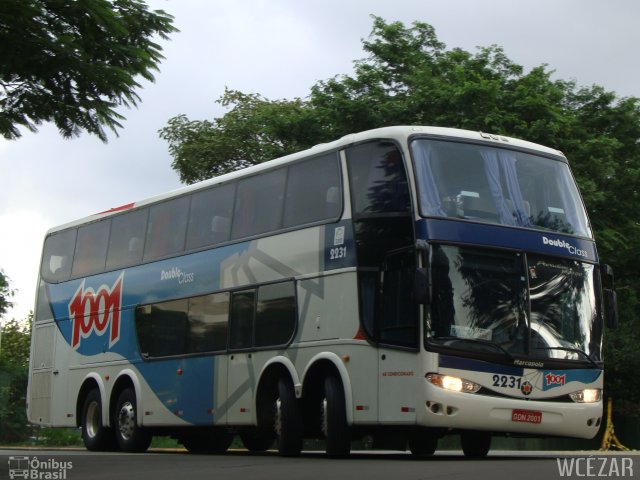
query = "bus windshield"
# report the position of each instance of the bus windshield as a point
(497, 185)
(483, 301)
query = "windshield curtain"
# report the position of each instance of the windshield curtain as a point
(497, 185)
(513, 304)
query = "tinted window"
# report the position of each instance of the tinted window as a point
(276, 315)
(313, 191)
(91, 248)
(208, 322)
(166, 229)
(378, 179)
(241, 322)
(163, 328)
(259, 202)
(399, 324)
(58, 255)
(210, 216)
(127, 239)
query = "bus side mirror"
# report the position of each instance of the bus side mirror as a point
(609, 296)
(421, 287)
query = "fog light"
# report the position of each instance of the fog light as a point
(588, 395)
(451, 383)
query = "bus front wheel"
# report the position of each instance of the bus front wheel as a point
(422, 443)
(131, 436)
(95, 435)
(475, 444)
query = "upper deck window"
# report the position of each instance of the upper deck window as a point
(497, 185)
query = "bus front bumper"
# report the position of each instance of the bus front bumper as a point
(468, 411)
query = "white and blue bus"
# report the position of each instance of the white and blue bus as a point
(403, 283)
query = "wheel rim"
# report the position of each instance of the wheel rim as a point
(93, 419)
(277, 421)
(127, 420)
(324, 421)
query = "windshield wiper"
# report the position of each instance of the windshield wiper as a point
(572, 349)
(478, 341)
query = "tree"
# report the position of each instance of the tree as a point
(410, 77)
(15, 340)
(5, 294)
(73, 63)
(253, 130)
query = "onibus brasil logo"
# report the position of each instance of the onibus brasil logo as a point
(96, 311)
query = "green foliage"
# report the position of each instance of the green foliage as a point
(15, 340)
(5, 294)
(253, 130)
(57, 437)
(73, 63)
(410, 77)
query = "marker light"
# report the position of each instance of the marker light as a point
(588, 395)
(451, 383)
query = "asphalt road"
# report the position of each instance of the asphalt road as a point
(240, 465)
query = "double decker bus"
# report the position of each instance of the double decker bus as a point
(403, 283)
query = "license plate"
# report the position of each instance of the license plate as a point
(526, 416)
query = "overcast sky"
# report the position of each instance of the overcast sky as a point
(278, 48)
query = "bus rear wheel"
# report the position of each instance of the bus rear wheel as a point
(287, 422)
(131, 436)
(95, 435)
(333, 418)
(475, 444)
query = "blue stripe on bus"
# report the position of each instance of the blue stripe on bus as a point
(548, 243)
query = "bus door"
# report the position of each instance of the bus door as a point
(384, 235)
(398, 331)
(241, 379)
(47, 382)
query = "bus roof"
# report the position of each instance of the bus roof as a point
(395, 133)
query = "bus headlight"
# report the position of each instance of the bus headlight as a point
(454, 384)
(588, 395)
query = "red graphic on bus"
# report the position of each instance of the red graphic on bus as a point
(96, 312)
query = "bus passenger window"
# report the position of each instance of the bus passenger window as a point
(208, 322)
(210, 216)
(276, 315)
(91, 248)
(163, 328)
(313, 191)
(127, 239)
(378, 179)
(58, 255)
(259, 202)
(166, 228)
(241, 321)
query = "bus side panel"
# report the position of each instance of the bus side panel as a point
(397, 393)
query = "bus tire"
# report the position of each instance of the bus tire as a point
(288, 420)
(131, 436)
(475, 444)
(257, 441)
(207, 442)
(422, 443)
(95, 435)
(334, 419)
